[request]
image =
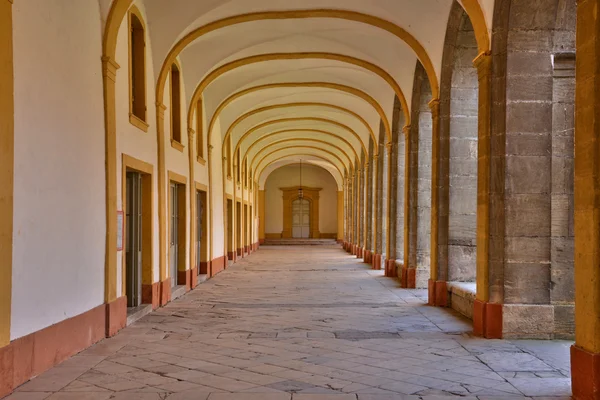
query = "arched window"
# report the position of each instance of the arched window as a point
(137, 70)
(175, 106)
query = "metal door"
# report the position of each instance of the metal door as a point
(199, 215)
(174, 240)
(300, 218)
(133, 243)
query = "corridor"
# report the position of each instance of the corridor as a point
(303, 322)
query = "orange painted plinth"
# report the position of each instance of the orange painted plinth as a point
(217, 265)
(116, 316)
(194, 277)
(165, 291)
(151, 295)
(487, 319)
(585, 374)
(185, 278)
(231, 255)
(390, 269)
(37, 352)
(377, 261)
(354, 247)
(359, 252)
(261, 241)
(441, 294)
(368, 257)
(239, 252)
(204, 267)
(431, 293)
(349, 247)
(408, 280)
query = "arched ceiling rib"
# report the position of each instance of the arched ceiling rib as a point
(272, 154)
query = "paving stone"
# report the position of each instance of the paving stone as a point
(313, 324)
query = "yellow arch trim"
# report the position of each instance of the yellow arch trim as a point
(334, 86)
(216, 73)
(475, 13)
(347, 15)
(289, 105)
(299, 130)
(350, 163)
(299, 148)
(278, 121)
(259, 173)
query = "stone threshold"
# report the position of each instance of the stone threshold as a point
(136, 313)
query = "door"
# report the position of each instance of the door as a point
(133, 244)
(199, 236)
(300, 218)
(174, 239)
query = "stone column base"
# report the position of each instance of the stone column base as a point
(390, 269)
(438, 293)
(487, 319)
(408, 280)
(585, 374)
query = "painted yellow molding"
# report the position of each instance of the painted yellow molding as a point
(7, 136)
(216, 73)
(138, 123)
(475, 13)
(340, 215)
(130, 163)
(177, 146)
(290, 105)
(297, 130)
(175, 177)
(302, 147)
(290, 140)
(260, 171)
(201, 186)
(201, 160)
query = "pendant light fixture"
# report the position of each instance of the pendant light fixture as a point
(300, 191)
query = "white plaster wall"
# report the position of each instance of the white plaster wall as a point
(131, 140)
(59, 190)
(311, 176)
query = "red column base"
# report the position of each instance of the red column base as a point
(368, 257)
(194, 278)
(261, 241)
(487, 319)
(438, 293)
(151, 295)
(390, 269)
(408, 280)
(239, 252)
(359, 252)
(185, 278)
(377, 261)
(116, 316)
(585, 374)
(353, 251)
(232, 256)
(349, 247)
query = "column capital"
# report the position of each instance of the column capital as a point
(434, 106)
(406, 129)
(389, 146)
(210, 147)
(109, 66)
(191, 132)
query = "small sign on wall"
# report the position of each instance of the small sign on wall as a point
(120, 229)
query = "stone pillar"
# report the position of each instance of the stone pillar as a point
(365, 211)
(360, 210)
(374, 207)
(437, 291)
(390, 265)
(408, 251)
(585, 353)
(487, 317)
(379, 208)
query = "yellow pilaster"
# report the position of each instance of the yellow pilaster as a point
(364, 195)
(340, 215)
(7, 131)
(434, 105)
(162, 191)
(109, 75)
(587, 179)
(483, 63)
(192, 193)
(261, 214)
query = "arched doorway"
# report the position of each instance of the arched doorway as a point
(300, 219)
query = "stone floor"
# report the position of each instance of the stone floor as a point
(304, 323)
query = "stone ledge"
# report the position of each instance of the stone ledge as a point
(461, 296)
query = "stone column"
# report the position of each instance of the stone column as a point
(390, 252)
(374, 207)
(365, 211)
(360, 210)
(379, 210)
(408, 251)
(436, 288)
(487, 317)
(585, 353)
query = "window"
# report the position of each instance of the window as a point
(199, 133)
(175, 104)
(137, 70)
